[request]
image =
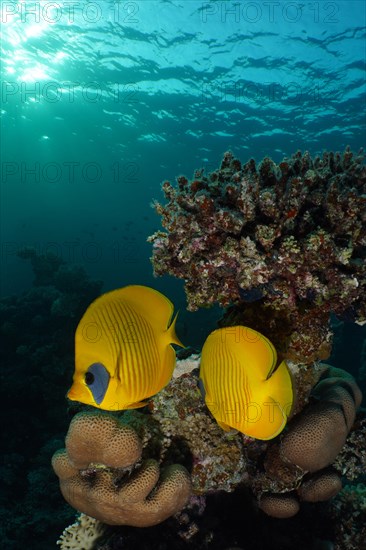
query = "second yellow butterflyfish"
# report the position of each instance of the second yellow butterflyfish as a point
(242, 385)
(123, 352)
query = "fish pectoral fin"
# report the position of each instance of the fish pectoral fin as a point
(137, 405)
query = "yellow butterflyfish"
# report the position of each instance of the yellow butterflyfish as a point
(123, 352)
(242, 385)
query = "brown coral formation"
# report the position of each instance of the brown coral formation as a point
(91, 435)
(320, 486)
(283, 242)
(316, 488)
(316, 436)
(279, 506)
(312, 442)
(96, 479)
(104, 471)
(217, 457)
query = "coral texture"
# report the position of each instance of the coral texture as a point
(95, 474)
(349, 516)
(351, 461)
(321, 486)
(280, 506)
(177, 427)
(81, 535)
(299, 459)
(189, 431)
(283, 242)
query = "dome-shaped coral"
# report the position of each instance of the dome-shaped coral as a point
(321, 486)
(279, 505)
(92, 472)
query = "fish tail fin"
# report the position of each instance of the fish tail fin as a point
(279, 384)
(173, 338)
(169, 357)
(276, 403)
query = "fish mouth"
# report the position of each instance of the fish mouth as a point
(78, 392)
(71, 394)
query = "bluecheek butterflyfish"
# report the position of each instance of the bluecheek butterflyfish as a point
(242, 385)
(123, 352)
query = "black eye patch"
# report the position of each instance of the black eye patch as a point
(97, 380)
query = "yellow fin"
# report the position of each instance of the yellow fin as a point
(250, 348)
(173, 338)
(272, 422)
(279, 387)
(149, 303)
(136, 405)
(277, 404)
(224, 426)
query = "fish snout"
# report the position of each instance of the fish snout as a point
(79, 392)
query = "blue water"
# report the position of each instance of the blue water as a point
(101, 101)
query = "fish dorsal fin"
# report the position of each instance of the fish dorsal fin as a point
(153, 306)
(253, 350)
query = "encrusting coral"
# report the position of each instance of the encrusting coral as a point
(285, 244)
(348, 513)
(95, 474)
(351, 461)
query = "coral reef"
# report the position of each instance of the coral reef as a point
(351, 461)
(348, 512)
(298, 461)
(82, 534)
(95, 474)
(224, 467)
(38, 347)
(284, 244)
(191, 435)
(176, 427)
